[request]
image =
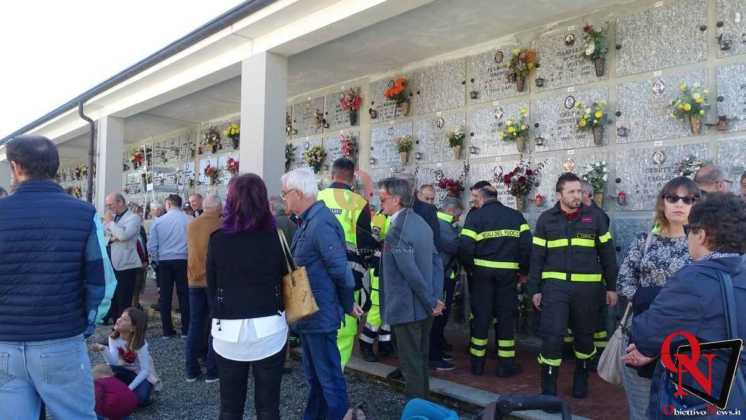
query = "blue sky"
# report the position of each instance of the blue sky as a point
(54, 50)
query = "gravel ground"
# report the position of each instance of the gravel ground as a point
(198, 400)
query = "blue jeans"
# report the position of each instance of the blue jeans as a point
(199, 340)
(57, 372)
(323, 368)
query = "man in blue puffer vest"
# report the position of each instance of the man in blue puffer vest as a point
(51, 283)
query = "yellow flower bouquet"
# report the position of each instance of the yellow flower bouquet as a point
(691, 104)
(516, 130)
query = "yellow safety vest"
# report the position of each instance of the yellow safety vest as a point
(347, 206)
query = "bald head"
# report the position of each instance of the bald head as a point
(212, 202)
(709, 178)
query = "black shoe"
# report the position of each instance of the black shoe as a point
(441, 365)
(580, 379)
(447, 357)
(507, 368)
(477, 366)
(385, 349)
(396, 375)
(549, 375)
(366, 350)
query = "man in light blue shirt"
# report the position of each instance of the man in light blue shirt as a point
(167, 247)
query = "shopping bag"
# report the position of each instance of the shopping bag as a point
(610, 365)
(296, 288)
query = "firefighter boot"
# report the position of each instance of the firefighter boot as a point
(385, 349)
(549, 375)
(477, 365)
(580, 379)
(366, 350)
(507, 367)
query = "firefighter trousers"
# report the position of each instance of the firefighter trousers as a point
(374, 326)
(346, 335)
(493, 292)
(573, 305)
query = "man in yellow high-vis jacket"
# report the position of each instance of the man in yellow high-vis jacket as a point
(353, 213)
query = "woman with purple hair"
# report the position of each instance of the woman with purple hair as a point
(245, 266)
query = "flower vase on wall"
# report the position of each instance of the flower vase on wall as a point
(600, 64)
(457, 152)
(520, 144)
(520, 203)
(353, 117)
(598, 135)
(598, 198)
(696, 125)
(404, 157)
(520, 83)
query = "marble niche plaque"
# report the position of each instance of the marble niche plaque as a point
(731, 157)
(662, 37)
(335, 116)
(645, 107)
(304, 117)
(429, 174)
(626, 228)
(440, 87)
(562, 64)
(557, 119)
(731, 36)
(385, 109)
(167, 152)
(644, 170)
(332, 144)
(487, 75)
(486, 170)
(431, 134)
(486, 123)
(383, 149)
(731, 86)
(301, 145)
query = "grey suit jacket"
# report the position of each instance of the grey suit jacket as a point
(412, 272)
(123, 236)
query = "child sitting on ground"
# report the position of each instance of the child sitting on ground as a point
(128, 355)
(114, 400)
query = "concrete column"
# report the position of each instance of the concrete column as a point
(263, 100)
(109, 152)
(5, 175)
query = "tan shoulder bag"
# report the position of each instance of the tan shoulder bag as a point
(296, 288)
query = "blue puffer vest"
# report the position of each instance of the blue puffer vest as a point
(43, 236)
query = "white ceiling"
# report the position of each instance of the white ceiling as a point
(427, 31)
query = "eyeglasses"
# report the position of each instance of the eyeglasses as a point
(284, 194)
(673, 199)
(690, 228)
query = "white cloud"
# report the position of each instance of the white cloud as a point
(54, 50)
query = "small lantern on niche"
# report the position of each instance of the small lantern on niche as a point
(621, 198)
(622, 131)
(418, 156)
(474, 150)
(372, 161)
(539, 200)
(539, 141)
(722, 124)
(373, 113)
(540, 82)
(474, 94)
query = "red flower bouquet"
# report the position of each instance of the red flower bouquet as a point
(453, 187)
(522, 178)
(232, 166)
(350, 100)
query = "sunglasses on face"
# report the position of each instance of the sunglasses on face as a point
(673, 199)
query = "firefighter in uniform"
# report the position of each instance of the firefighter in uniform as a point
(374, 327)
(496, 244)
(572, 253)
(353, 213)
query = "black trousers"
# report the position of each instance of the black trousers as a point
(437, 337)
(170, 273)
(123, 293)
(234, 377)
(568, 304)
(413, 341)
(493, 293)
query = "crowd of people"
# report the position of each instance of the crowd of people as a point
(384, 278)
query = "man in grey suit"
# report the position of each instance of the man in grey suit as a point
(411, 284)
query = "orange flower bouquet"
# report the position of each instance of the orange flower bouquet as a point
(398, 91)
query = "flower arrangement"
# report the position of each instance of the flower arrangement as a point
(404, 144)
(212, 139)
(314, 157)
(232, 166)
(453, 187)
(456, 137)
(397, 92)
(233, 132)
(213, 173)
(689, 166)
(289, 156)
(596, 47)
(593, 117)
(597, 175)
(516, 129)
(522, 179)
(691, 104)
(522, 62)
(347, 146)
(350, 100)
(137, 159)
